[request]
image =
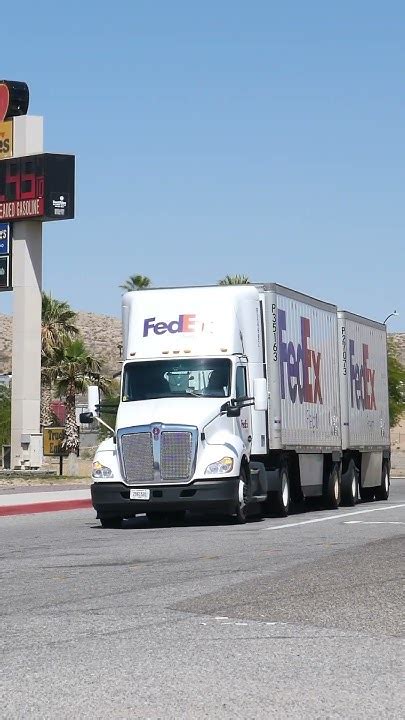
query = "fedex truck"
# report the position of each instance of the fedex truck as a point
(242, 400)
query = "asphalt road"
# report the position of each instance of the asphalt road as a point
(293, 618)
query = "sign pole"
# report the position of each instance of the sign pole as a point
(26, 353)
(35, 187)
(27, 308)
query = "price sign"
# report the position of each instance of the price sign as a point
(38, 187)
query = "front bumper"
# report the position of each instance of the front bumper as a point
(112, 499)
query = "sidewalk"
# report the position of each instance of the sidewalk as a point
(15, 502)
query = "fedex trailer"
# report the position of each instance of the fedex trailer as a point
(243, 399)
(364, 401)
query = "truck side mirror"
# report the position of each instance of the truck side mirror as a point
(260, 393)
(230, 409)
(86, 418)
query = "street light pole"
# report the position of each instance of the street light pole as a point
(393, 314)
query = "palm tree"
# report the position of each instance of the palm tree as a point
(136, 282)
(73, 370)
(234, 280)
(57, 325)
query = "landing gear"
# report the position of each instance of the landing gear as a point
(367, 493)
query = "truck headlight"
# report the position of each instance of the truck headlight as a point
(101, 471)
(225, 465)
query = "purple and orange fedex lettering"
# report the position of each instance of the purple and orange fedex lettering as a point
(361, 376)
(184, 324)
(299, 361)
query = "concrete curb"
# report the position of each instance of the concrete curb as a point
(28, 509)
(40, 502)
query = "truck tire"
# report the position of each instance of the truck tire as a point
(242, 499)
(110, 522)
(282, 496)
(382, 492)
(332, 487)
(350, 485)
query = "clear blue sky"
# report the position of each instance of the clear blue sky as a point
(259, 137)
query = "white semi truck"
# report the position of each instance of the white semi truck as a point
(243, 399)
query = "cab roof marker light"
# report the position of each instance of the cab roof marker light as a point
(132, 354)
(165, 352)
(224, 349)
(187, 350)
(176, 352)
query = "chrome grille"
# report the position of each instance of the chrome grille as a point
(157, 453)
(175, 455)
(137, 457)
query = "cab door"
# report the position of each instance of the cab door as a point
(244, 421)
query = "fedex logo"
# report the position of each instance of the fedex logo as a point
(300, 363)
(362, 379)
(184, 324)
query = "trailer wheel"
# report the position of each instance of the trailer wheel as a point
(332, 487)
(350, 483)
(382, 492)
(110, 522)
(242, 499)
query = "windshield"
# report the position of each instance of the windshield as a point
(194, 377)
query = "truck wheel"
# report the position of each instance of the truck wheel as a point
(350, 484)
(281, 498)
(278, 501)
(242, 500)
(332, 487)
(382, 492)
(110, 522)
(367, 493)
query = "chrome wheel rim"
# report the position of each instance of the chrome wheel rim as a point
(285, 495)
(242, 494)
(354, 487)
(336, 488)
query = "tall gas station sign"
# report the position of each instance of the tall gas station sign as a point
(35, 187)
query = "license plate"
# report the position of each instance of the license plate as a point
(139, 494)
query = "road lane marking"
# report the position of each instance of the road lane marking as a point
(373, 522)
(338, 516)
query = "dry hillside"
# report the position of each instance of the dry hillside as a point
(101, 333)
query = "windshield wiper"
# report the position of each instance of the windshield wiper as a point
(189, 393)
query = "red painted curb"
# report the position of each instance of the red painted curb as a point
(41, 507)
